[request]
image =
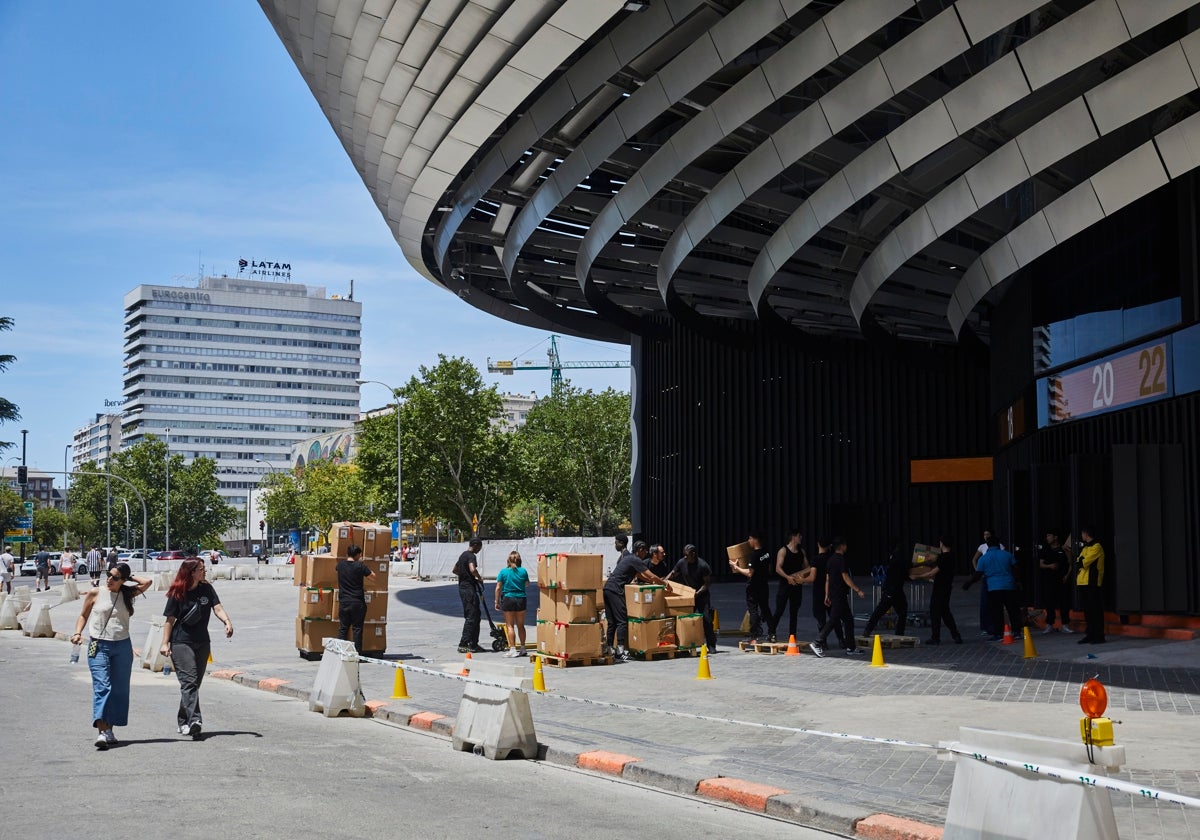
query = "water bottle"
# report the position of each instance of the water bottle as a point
(75, 651)
(167, 668)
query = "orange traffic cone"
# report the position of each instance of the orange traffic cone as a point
(1008, 636)
(792, 648)
(466, 671)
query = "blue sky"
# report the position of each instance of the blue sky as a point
(144, 140)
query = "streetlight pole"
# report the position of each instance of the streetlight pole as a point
(25, 486)
(399, 469)
(66, 482)
(270, 543)
(167, 529)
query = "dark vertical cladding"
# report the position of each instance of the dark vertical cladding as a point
(766, 435)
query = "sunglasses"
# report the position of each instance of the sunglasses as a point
(115, 577)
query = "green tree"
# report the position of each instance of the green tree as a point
(279, 497)
(49, 526)
(574, 452)
(11, 507)
(455, 451)
(331, 493)
(8, 410)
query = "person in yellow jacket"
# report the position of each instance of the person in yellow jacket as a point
(1089, 578)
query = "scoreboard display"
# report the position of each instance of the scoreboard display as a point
(1132, 377)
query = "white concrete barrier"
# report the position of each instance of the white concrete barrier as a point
(336, 688)
(70, 591)
(8, 614)
(988, 800)
(21, 599)
(496, 722)
(152, 657)
(36, 623)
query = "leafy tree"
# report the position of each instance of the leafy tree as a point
(279, 497)
(455, 452)
(331, 492)
(49, 526)
(8, 410)
(11, 507)
(575, 451)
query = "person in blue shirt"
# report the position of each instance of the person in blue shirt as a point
(511, 583)
(998, 567)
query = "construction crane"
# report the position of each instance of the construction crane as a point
(554, 364)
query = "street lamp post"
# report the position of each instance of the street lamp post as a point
(167, 528)
(399, 469)
(25, 486)
(271, 467)
(66, 504)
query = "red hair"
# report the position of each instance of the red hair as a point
(183, 578)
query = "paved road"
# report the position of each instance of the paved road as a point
(267, 767)
(923, 695)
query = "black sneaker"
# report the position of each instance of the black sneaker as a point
(477, 649)
(194, 730)
(463, 649)
(854, 651)
(772, 639)
(816, 648)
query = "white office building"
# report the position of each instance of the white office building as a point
(97, 441)
(239, 370)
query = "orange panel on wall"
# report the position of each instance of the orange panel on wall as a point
(938, 470)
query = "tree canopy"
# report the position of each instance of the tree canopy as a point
(8, 410)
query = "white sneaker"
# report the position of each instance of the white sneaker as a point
(1049, 628)
(101, 742)
(1066, 628)
(511, 653)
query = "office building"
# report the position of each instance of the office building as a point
(96, 441)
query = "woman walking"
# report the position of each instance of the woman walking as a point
(105, 614)
(511, 582)
(191, 600)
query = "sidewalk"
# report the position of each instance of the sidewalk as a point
(923, 696)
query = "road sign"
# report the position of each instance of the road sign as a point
(29, 508)
(24, 521)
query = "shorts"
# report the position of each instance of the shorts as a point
(512, 604)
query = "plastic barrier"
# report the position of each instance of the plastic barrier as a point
(8, 615)
(36, 623)
(70, 591)
(152, 657)
(219, 572)
(336, 688)
(991, 800)
(496, 722)
(20, 599)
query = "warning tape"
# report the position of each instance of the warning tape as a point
(1058, 773)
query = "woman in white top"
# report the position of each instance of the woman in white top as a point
(106, 613)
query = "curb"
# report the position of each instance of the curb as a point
(750, 796)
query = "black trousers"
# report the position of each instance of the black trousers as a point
(617, 617)
(895, 600)
(468, 593)
(840, 619)
(1056, 595)
(704, 607)
(788, 597)
(758, 604)
(820, 612)
(190, 660)
(351, 615)
(1006, 600)
(939, 613)
(1093, 611)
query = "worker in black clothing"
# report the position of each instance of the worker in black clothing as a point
(630, 567)
(658, 560)
(1056, 592)
(838, 585)
(759, 570)
(891, 593)
(820, 612)
(691, 570)
(791, 565)
(470, 584)
(352, 603)
(941, 571)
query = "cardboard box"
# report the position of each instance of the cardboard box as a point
(578, 571)
(576, 606)
(689, 630)
(299, 570)
(645, 601)
(547, 605)
(320, 572)
(381, 569)
(575, 641)
(924, 554)
(377, 605)
(311, 631)
(375, 540)
(318, 603)
(740, 553)
(547, 568)
(652, 634)
(374, 636)
(544, 636)
(680, 605)
(681, 590)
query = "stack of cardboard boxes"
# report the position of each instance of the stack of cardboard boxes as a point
(569, 602)
(660, 622)
(316, 575)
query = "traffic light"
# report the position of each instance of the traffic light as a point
(22, 475)
(262, 524)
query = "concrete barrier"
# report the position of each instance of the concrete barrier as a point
(8, 614)
(496, 722)
(70, 591)
(36, 623)
(336, 688)
(152, 657)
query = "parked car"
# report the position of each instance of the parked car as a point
(29, 567)
(174, 554)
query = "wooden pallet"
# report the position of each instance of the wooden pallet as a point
(560, 662)
(770, 648)
(311, 655)
(890, 642)
(654, 655)
(685, 652)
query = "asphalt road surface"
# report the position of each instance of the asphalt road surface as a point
(268, 767)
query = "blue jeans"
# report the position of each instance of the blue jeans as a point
(111, 668)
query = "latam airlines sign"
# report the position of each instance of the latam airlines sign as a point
(265, 268)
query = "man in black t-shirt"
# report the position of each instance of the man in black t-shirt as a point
(470, 584)
(1055, 570)
(691, 570)
(759, 570)
(838, 585)
(352, 604)
(658, 561)
(941, 570)
(891, 595)
(630, 567)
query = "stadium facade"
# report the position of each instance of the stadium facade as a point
(887, 268)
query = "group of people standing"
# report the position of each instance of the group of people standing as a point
(106, 614)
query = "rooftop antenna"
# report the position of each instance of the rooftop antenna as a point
(351, 288)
